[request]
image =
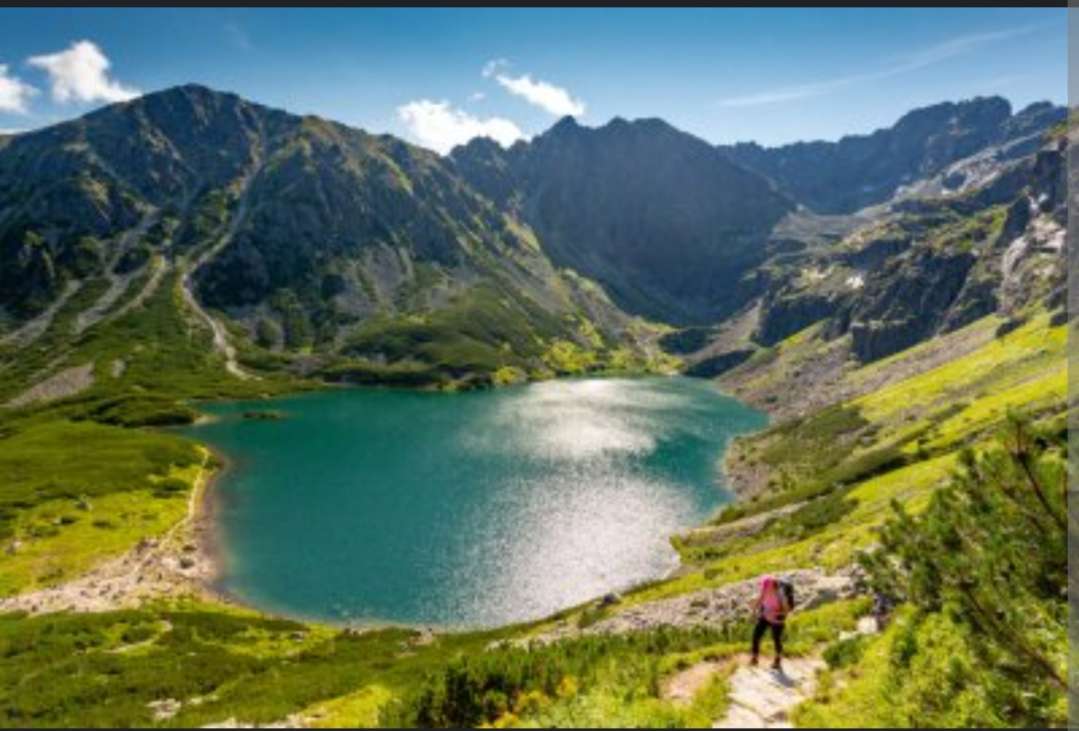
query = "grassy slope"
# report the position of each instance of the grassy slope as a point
(931, 415)
(84, 480)
(483, 338)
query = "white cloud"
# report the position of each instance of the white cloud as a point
(543, 94)
(901, 65)
(440, 127)
(549, 97)
(477, 96)
(81, 74)
(14, 94)
(11, 131)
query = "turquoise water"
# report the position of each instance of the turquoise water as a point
(469, 509)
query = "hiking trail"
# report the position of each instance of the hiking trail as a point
(763, 698)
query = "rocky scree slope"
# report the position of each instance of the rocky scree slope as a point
(913, 267)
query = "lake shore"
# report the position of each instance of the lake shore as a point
(182, 563)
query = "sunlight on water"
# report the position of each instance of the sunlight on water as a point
(466, 509)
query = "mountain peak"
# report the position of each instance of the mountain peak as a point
(567, 124)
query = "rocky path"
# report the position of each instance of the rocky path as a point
(160, 267)
(760, 697)
(708, 607)
(221, 341)
(763, 698)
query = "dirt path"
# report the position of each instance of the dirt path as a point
(221, 341)
(175, 564)
(682, 687)
(760, 697)
(763, 698)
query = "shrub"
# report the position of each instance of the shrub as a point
(986, 565)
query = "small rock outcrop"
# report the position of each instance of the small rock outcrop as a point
(712, 607)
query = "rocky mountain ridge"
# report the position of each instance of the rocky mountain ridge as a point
(863, 170)
(659, 217)
(312, 246)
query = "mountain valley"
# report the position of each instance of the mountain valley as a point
(895, 302)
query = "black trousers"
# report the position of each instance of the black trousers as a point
(764, 625)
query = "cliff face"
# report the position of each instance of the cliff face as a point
(667, 224)
(931, 265)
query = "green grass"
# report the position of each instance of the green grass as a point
(104, 669)
(78, 492)
(167, 354)
(61, 539)
(918, 673)
(480, 331)
(69, 670)
(482, 338)
(586, 681)
(58, 460)
(1025, 353)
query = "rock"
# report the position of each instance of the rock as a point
(264, 415)
(609, 600)
(1008, 326)
(717, 606)
(785, 312)
(186, 562)
(13, 547)
(862, 170)
(719, 364)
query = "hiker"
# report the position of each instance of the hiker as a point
(771, 608)
(882, 609)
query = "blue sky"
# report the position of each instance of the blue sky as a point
(435, 77)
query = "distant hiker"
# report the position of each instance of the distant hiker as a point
(882, 609)
(771, 607)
